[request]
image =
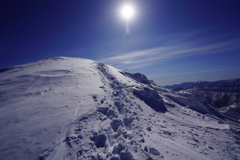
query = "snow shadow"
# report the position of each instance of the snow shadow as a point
(100, 140)
(151, 98)
(115, 124)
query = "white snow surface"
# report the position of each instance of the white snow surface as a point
(78, 109)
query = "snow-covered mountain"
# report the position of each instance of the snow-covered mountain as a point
(205, 84)
(77, 109)
(223, 95)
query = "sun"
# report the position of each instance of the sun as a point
(127, 11)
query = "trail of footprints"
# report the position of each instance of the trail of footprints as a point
(112, 132)
(106, 133)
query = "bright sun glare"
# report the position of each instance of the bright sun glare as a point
(127, 11)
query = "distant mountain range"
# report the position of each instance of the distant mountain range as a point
(223, 95)
(205, 84)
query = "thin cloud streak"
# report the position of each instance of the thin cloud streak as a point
(196, 72)
(187, 73)
(168, 52)
(133, 67)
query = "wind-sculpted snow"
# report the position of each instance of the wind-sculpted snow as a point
(151, 98)
(77, 109)
(138, 77)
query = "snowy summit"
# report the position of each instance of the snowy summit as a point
(78, 109)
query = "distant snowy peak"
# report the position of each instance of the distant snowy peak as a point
(208, 84)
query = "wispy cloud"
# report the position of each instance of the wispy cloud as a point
(183, 46)
(166, 77)
(196, 72)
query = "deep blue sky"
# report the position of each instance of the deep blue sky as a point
(170, 41)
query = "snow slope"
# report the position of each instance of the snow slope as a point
(77, 109)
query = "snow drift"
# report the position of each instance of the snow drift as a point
(77, 109)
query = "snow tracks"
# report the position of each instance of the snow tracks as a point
(113, 131)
